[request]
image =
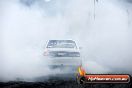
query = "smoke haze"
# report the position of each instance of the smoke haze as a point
(102, 29)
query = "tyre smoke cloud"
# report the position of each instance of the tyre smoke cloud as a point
(102, 28)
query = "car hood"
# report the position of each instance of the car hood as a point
(64, 49)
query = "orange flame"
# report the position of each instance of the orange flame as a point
(81, 71)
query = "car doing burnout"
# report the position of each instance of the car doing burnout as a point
(62, 54)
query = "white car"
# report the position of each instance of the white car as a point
(62, 54)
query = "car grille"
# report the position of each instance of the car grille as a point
(64, 54)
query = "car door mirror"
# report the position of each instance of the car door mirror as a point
(80, 48)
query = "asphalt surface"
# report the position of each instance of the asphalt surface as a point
(58, 83)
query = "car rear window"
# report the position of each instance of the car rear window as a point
(61, 44)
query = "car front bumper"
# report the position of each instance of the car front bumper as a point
(64, 61)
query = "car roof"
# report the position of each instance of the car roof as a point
(63, 40)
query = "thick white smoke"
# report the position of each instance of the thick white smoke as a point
(100, 28)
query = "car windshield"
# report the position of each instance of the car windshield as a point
(61, 44)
